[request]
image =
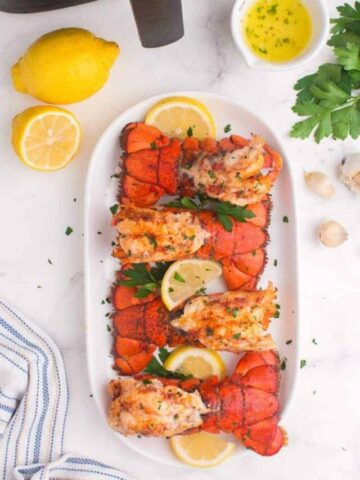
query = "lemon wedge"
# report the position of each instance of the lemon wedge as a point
(181, 117)
(186, 277)
(201, 449)
(46, 138)
(199, 362)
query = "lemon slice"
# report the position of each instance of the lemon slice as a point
(46, 138)
(199, 362)
(186, 277)
(201, 449)
(181, 117)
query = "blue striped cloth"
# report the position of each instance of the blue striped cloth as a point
(34, 400)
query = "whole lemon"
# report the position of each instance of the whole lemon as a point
(65, 66)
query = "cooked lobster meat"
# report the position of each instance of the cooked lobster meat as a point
(233, 321)
(244, 404)
(233, 169)
(153, 409)
(147, 235)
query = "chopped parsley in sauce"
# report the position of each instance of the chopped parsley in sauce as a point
(277, 30)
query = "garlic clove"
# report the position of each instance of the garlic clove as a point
(332, 234)
(350, 172)
(319, 183)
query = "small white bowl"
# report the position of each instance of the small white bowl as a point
(320, 24)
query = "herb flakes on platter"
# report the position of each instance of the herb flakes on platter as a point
(156, 367)
(147, 280)
(224, 210)
(329, 98)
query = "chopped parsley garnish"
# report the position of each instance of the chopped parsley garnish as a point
(285, 219)
(178, 277)
(153, 146)
(189, 132)
(275, 263)
(211, 174)
(227, 128)
(69, 231)
(314, 341)
(108, 328)
(49, 261)
(273, 9)
(302, 363)
(152, 240)
(283, 364)
(237, 336)
(114, 208)
(209, 331)
(201, 291)
(232, 311)
(288, 342)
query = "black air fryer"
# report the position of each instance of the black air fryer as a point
(159, 22)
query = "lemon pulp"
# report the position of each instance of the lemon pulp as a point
(186, 278)
(46, 138)
(181, 117)
(198, 362)
(201, 449)
(277, 30)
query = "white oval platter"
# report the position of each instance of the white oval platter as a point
(100, 268)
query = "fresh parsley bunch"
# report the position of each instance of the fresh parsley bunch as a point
(329, 98)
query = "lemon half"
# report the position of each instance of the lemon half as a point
(46, 138)
(181, 117)
(201, 449)
(199, 362)
(186, 277)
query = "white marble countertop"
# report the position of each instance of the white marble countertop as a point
(324, 419)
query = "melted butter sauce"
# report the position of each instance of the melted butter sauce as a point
(277, 30)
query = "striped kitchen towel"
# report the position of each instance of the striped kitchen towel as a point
(33, 406)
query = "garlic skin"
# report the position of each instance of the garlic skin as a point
(332, 234)
(319, 183)
(350, 172)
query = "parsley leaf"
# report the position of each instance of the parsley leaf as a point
(114, 208)
(156, 368)
(163, 354)
(349, 56)
(147, 280)
(224, 210)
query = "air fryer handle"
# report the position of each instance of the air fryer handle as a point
(159, 22)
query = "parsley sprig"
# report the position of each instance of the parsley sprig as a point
(156, 367)
(148, 280)
(328, 98)
(224, 210)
